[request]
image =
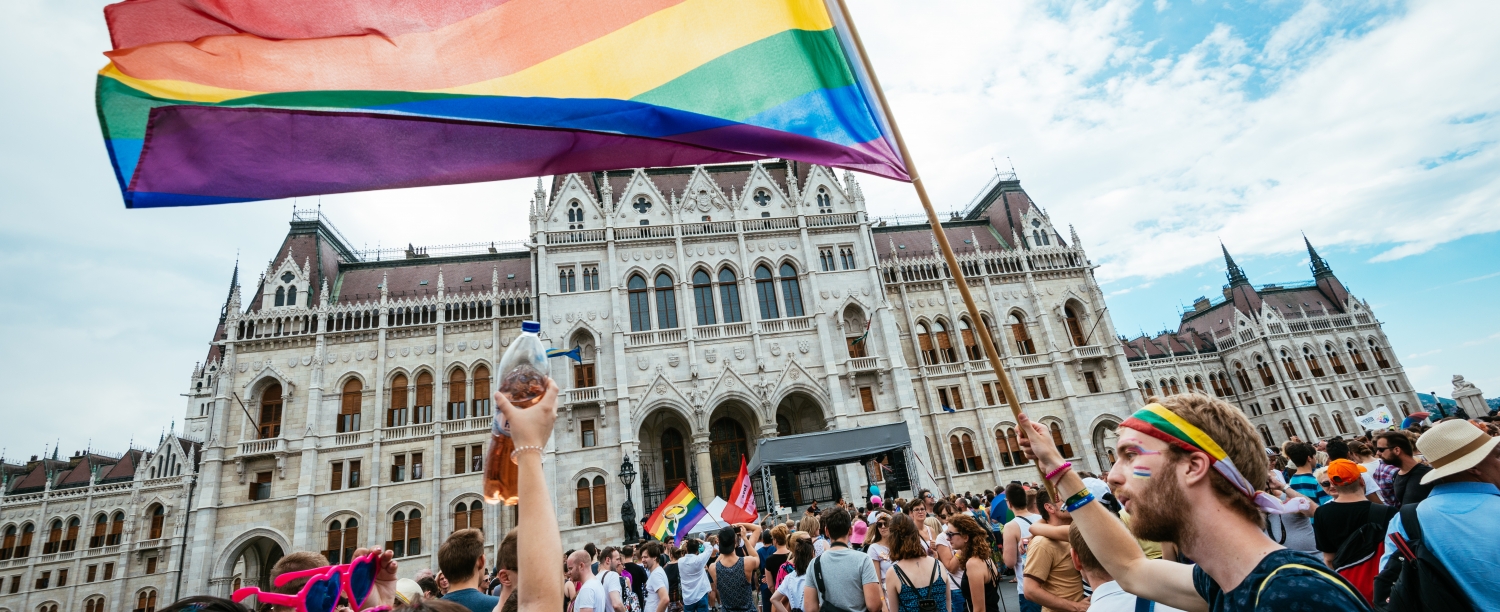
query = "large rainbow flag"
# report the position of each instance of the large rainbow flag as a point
(215, 101)
(676, 516)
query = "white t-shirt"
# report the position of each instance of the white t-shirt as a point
(1109, 597)
(611, 580)
(1025, 526)
(656, 580)
(791, 587)
(954, 578)
(593, 596)
(882, 556)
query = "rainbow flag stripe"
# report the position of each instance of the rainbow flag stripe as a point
(264, 99)
(676, 516)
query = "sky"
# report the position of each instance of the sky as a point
(1157, 128)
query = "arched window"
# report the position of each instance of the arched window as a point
(1288, 430)
(116, 529)
(765, 293)
(971, 345)
(70, 539)
(343, 538)
(468, 515)
(575, 215)
(944, 342)
(825, 201)
(791, 290)
(1017, 455)
(1175, 389)
(158, 520)
(583, 513)
(1149, 389)
(270, 411)
(422, 412)
(23, 547)
(145, 601)
(406, 534)
(1244, 377)
(666, 302)
(1317, 425)
(1057, 438)
(481, 390)
(674, 466)
(924, 341)
(1075, 328)
(1003, 446)
(965, 460)
(8, 543)
(281, 296)
(1334, 360)
(1312, 362)
(762, 198)
(1265, 434)
(703, 297)
(397, 414)
(1380, 359)
(729, 296)
(54, 537)
(458, 404)
(93, 604)
(101, 529)
(1338, 422)
(640, 304)
(1264, 369)
(291, 295)
(349, 406)
(1356, 357)
(1292, 371)
(1024, 344)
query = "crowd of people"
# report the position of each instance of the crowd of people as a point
(1194, 515)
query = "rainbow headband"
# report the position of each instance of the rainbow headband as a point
(1157, 421)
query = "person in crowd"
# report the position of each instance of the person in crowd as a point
(658, 587)
(593, 556)
(809, 525)
(430, 588)
(915, 577)
(461, 557)
(878, 547)
(917, 510)
(1303, 481)
(506, 565)
(1339, 449)
(733, 574)
(693, 571)
(788, 595)
(858, 532)
(1292, 530)
(1000, 516)
(1107, 594)
(1341, 526)
(1458, 517)
(540, 542)
(1015, 532)
(1395, 449)
(780, 553)
(674, 579)
(612, 576)
(1051, 580)
(1383, 475)
(294, 562)
(763, 551)
(204, 603)
(592, 597)
(944, 552)
(1191, 471)
(842, 578)
(980, 576)
(635, 570)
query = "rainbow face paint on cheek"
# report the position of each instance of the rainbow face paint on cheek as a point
(1141, 472)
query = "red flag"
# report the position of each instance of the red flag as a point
(741, 503)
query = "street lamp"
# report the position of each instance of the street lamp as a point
(627, 510)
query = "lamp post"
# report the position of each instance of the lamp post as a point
(627, 510)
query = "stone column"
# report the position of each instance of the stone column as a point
(705, 488)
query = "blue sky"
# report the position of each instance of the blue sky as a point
(1157, 127)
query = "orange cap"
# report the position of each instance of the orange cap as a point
(1344, 471)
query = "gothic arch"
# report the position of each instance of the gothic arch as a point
(230, 554)
(403, 506)
(461, 496)
(264, 379)
(669, 405)
(590, 473)
(364, 385)
(814, 400)
(339, 515)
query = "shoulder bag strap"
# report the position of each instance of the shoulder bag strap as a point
(1314, 570)
(818, 573)
(900, 575)
(1412, 525)
(1144, 605)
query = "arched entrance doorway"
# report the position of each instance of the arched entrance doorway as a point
(800, 413)
(1105, 436)
(666, 457)
(249, 562)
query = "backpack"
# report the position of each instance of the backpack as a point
(927, 602)
(1358, 558)
(627, 594)
(984, 521)
(1424, 584)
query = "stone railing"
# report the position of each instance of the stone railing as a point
(709, 228)
(863, 364)
(407, 431)
(586, 394)
(833, 219)
(774, 223)
(353, 437)
(726, 330)
(644, 232)
(469, 424)
(648, 338)
(945, 368)
(1088, 351)
(262, 447)
(575, 237)
(771, 326)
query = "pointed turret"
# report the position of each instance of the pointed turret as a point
(1328, 284)
(1320, 267)
(1239, 290)
(231, 301)
(1233, 271)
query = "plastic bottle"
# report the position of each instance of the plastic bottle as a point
(523, 381)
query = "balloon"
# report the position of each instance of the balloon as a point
(874, 490)
(875, 499)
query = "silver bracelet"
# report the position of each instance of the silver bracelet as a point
(541, 452)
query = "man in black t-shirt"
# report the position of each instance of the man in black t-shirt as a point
(1395, 449)
(1334, 522)
(637, 572)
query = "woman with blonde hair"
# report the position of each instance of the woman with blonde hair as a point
(811, 526)
(971, 546)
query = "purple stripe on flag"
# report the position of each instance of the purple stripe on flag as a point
(214, 153)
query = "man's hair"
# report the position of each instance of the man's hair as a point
(204, 603)
(905, 542)
(1227, 426)
(592, 550)
(606, 555)
(459, 553)
(836, 522)
(778, 534)
(765, 536)
(506, 559)
(1337, 449)
(1042, 499)
(627, 551)
(429, 584)
(1081, 548)
(1299, 452)
(809, 524)
(433, 604)
(652, 550)
(692, 546)
(727, 540)
(1397, 439)
(1015, 496)
(296, 562)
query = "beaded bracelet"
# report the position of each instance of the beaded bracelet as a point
(1066, 465)
(1079, 500)
(539, 451)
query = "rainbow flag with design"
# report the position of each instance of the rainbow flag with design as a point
(676, 516)
(216, 101)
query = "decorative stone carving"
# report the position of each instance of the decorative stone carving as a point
(448, 348)
(432, 349)
(244, 367)
(823, 294)
(463, 346)
(569, 317)
(775, 349)
(593, 314)
(604, 314)
(359, 356)
(489, 343)
(291, 363)
(344, 357)
(307, 360)
(795, 374)
(739, 353)
(673, 359)
(711, 355)
(643, 362)
(803, 346)
(374, 353)
(405, 351)
(556, 317)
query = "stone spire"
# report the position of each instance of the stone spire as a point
(494, 278)
(385, 289)
(441, 286)
(1320, 267)
(231, 301)
(1235, 274)
(1074, 235)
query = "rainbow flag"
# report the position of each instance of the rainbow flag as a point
(676, 516)
(216, 101)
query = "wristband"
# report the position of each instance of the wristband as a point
(1079, 500)
(1066, 465)
(539, 450)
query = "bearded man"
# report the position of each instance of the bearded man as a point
(1191, 470)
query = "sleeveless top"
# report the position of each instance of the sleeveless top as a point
(991, 595)
(735, 593)
(909, 598)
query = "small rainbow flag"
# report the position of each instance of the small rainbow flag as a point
(676, 516)
(215, 101)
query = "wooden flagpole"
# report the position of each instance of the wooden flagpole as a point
(1006, 389)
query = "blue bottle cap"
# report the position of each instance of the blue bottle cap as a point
(531, 326)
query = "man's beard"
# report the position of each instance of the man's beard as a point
(1159, 513)
(1393, 461)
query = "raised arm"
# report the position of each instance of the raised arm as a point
(1156, 580)
(540, 543)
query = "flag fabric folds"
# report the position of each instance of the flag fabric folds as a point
(676, 516)
(741, 503)
(214, 101)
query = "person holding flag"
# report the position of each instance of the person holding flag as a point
(741, 503)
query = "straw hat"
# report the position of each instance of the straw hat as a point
(407, 591)
(1452, 447)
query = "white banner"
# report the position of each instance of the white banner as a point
(1378, 420)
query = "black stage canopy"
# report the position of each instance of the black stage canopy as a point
(825, 448)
